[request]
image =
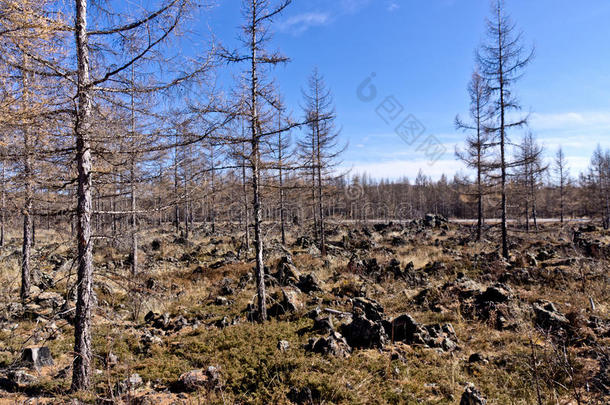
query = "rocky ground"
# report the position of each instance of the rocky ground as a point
(410, 313)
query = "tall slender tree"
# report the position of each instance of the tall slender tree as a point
(530, 173)
(502, 60)
(258, 16)
(156, 26)
(563, 177)
(478, 140)
(599, 174)
(322, 141)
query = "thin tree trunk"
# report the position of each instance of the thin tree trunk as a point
(27, 207)
(258, 241)
(245, 193)
(176, 207)
(81, 374)
(132, 183)
(527, 213)
(607, 206)
(161, 212)
(505, 252)
(113, 206)
(601, 194)
(313, 187)
(213, 198)
(479, 171)
(186, 210)
(561, 191)
(33, 215)
(280, 163)
(255, 161)
(71, 215)
(3, 199)
(320, 202)
(134, 221)
(534, 213)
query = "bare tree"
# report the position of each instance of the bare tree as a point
(530, 172)
(2, 190)
(599, 174)
(322, 141)
(502, 60)
(28, 184)
(258, 15)
(478, 141)
(157, 26)
(282, 154)
(563, 178)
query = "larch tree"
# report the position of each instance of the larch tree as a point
(258, 15)
(476, 152)
(281, 148)
(28, 36)
(599, 175)
(2, 188)
(502, 60)
(563, 178)
(530, 173)
(322, 142)
(157, 26)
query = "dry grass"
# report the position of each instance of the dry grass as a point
(254, 371)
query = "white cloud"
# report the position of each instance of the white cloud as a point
(300, 23)
(393, 6)
(396, 169)
(570, 120)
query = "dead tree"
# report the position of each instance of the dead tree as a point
(2, 190)
(502, 60)
(478, 141)
(258, 15)
(599, 174)
(322, 141)
(282, 154)
(530, 173)
(157, 26)
(563, 178)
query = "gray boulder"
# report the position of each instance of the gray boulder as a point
(362, 332)
(472, 396)
(36, 357)
(548, 317)
(334, 345)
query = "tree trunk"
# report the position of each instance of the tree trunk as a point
(176, 207)
(186, 210)
(505, 252)
(134, 220)
(255, 162)
(527, 219)
(27, 207)
(479, 170)
(2, 199)
(213, 198)
(561, 185)
(607, 206)
(534, 213)
(81, 374)
(319, 185)
(33, 243)
(132, 183)
(280, 163)
(313, 187)
(246, 209)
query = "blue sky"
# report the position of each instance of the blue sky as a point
(422, 54)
